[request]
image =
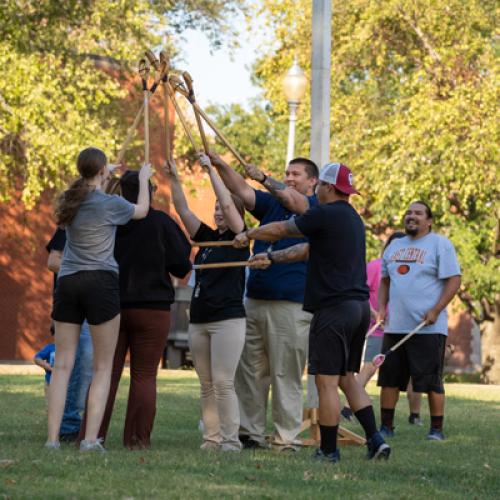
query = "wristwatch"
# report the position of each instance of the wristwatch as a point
(269, 253)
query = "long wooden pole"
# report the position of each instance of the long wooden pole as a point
(182, 118)
(221, 265)
(203, 244)
(146, 126)
(219, 134)
(144, 72)
(177, 86)
(164, 59)
(192, 99)
(130, 134)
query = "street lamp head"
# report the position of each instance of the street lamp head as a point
(294, 84)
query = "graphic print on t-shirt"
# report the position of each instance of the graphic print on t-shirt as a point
(418, 270)
(406, 256)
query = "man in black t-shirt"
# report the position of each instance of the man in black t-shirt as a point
(337, 295)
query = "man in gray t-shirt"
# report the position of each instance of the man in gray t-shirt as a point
(420, 274)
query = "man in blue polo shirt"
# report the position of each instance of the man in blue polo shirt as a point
(276, 340)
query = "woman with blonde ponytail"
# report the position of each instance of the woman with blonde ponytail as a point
(88, 286)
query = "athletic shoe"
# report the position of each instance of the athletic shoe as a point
(52, 445)
(415, 421)
(435, 435)
(92, 446)
(347, 413)
(377, 447)
(332, 457)
(386, 432)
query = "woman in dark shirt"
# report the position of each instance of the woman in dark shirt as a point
(147, 252)
(217, 315)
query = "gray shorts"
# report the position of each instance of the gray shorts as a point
(373, 347)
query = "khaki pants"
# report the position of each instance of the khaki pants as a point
(216, 349)
(274, 355)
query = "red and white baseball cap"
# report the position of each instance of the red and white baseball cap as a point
(340, 176)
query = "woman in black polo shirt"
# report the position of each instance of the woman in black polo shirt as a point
(217, 315)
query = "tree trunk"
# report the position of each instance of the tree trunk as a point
(490, 346)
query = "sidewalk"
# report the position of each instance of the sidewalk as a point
(20, 368)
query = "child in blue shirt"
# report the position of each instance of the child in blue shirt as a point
(45, 359)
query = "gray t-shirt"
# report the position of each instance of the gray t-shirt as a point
(90, 238)
(417, 270)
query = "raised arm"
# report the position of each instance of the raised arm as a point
(143, 202)
(232, 217)
(269, 232)
(234, 181)
(290, 198)
(189, 219)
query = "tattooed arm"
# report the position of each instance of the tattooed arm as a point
(292, 200)
(268, 232)
(295, 253)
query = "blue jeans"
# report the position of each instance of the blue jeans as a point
(79, 383)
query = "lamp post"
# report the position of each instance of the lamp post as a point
(294, 86)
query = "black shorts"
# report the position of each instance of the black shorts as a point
(91, 295)
(421, 358)
(336, 338)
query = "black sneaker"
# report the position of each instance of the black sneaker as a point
(332, 457)
(377, 447)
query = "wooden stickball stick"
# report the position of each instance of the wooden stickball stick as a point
(373, 328)
(220, 134)
(221, 265)
(379, 359)
(168, 147)
(189, 84)
(144, 72)
(203, 244)
(130, 134)
(178, 86)
(182, 118)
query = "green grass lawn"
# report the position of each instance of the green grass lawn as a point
(466, 465)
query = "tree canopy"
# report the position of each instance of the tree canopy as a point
(413, 113)
(53, 99)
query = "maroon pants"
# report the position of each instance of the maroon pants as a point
(144, 332)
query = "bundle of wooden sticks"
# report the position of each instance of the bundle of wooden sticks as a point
(173, 83)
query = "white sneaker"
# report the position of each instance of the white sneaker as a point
(52, 445)
(92, 446)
